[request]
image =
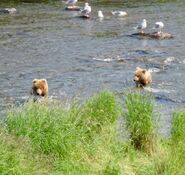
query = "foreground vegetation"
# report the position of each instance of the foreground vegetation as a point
(54, 138)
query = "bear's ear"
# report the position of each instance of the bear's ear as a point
(44, 80)
(144, 71)
(138, 69)
(34, 81)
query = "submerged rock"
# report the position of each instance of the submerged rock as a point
(85, 16)
(154, 35)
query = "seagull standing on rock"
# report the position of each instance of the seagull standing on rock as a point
(71, 2)
(119, 13)
(86, 10)
(159, 26)
(142, 26)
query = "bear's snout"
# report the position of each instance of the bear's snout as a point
(136, 78)
(39, 92)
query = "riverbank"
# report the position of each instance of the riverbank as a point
(56, 138)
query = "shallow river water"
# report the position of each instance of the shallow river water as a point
(79, 57)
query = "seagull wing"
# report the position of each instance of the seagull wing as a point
(139, 27)
(157, 26)
(86, 10)
(71, 2)
(115, 13)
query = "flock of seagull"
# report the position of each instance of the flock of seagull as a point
(87, 10)
(140, 27)
(143, 25)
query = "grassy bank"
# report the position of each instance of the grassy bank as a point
(54, 138)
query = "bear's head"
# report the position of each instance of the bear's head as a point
(142, 77)
(39, 87)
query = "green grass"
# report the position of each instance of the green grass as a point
(73, 136)
(17, 156)
(176, 160)
(140, 120)
(82, 139)
(178, 126)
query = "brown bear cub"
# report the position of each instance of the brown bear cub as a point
(39, 88)
(142, 77)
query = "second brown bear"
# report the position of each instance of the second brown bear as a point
(142, 77)
(39, 87)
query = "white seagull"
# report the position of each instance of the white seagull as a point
(141, 26)
(86, 10)
(71, 2)
(119, 13)
(8, 10)
(159, 26)
(100, 14)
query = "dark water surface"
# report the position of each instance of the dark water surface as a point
(79, 57)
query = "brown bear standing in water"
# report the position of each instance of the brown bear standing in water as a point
(142, 77)
(39, 87)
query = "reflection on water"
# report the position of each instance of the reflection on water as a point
(79, 57)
